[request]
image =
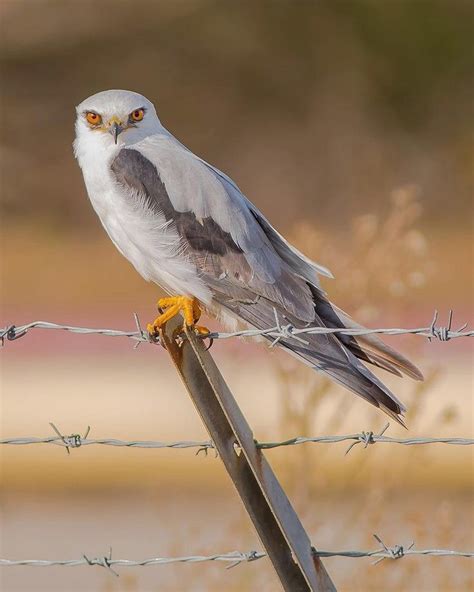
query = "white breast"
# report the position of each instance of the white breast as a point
(142, 235)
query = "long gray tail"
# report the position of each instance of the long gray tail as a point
(336, 355)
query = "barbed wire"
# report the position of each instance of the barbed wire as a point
(365, 438)
(277, 332)
(235, 557)
(395, 552)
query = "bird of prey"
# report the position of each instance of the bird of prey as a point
(186, 226)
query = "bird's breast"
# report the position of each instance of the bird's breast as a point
(143, 235)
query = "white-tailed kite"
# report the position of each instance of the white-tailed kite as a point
(186, 226)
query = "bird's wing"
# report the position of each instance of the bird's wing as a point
(300, 264)
(249, 268)
(219, 232)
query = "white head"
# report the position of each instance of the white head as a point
(115, 118)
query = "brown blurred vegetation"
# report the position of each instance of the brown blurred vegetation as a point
(318, 109)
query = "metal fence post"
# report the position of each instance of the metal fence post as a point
(275, 520)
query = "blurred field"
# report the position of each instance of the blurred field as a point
(147, 503)
(350, 125)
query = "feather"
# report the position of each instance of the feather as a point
(379, 353)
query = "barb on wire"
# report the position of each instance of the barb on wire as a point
(234, 557)
(102, 562)
(205, 447)
(365, 438)
(72, 441)
(276, 333)
(396, 552)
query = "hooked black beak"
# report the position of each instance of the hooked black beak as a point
(115, 129)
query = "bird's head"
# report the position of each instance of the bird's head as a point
(116, 117)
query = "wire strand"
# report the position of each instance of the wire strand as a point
(366, 438)
(277, 332)
(234, 557)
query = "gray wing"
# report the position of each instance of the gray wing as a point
(300, 264)
(237, 262)
(250, 269)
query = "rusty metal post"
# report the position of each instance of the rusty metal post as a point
(275, 520)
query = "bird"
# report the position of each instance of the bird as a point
(186, 226)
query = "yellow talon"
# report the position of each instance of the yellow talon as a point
(200, 330)
(173, 305)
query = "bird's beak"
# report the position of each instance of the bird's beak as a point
(115, 128)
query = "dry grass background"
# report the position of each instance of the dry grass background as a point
(349, 125)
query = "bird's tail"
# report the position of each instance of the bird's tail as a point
(350, 373)
(338, 356)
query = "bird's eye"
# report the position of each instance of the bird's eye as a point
(137, 115)
(93, 118)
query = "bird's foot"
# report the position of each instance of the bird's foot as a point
(170, 307)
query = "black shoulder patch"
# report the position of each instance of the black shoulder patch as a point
(135, 171)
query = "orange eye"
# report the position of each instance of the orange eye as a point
(93, 118)
(137, 115)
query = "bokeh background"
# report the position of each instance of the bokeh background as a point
(350, 125)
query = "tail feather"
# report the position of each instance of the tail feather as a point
(351, 374)
(369, 348)
(379, 353)
(339, 356)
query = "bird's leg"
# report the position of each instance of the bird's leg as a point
(173, 305)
